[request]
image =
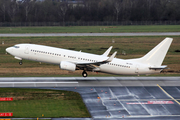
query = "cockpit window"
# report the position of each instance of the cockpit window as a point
(16, 46)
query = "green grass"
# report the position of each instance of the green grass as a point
(96, 45)
(35, 102)
(92, 29)
(134, 47)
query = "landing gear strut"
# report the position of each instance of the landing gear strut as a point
(20, 63)
(84, 74)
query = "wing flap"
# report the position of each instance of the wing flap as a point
(94, 65)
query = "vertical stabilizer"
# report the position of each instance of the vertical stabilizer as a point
(156, 56)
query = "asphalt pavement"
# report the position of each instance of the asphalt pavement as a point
(127, 98)
(90, 34)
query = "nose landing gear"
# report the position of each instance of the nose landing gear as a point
(20, 63)
(84, 74)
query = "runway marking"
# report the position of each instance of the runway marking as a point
(33, 82)
(151, 102)
(145, 100)
(152, 115)
(168, 94)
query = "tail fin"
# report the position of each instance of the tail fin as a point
(156, 56)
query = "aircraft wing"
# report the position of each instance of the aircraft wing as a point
(94, 65)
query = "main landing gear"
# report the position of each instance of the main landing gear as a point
(84, 74)
(20, 63)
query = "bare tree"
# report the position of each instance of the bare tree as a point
(117, 7)
(3, 8)
(62, 9)
(27, 7)
(89, 10)
(12, 10)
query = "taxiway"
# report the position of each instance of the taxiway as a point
(90, 34)
(131, 98)
(89, 81)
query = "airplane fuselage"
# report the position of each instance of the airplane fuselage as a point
(54, 55)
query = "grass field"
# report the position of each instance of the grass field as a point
(134, 47)
(92, 29)
(36, 102)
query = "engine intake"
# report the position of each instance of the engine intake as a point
(64, 65)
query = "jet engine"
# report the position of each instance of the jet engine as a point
(67, 66)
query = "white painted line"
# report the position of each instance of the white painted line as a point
(137, 116)
(35, 82)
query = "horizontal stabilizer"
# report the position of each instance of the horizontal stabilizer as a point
(159, 67)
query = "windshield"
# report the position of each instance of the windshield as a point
(16, 46)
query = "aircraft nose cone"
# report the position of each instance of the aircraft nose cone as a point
(8, 49)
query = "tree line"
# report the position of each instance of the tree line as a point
(89, 10)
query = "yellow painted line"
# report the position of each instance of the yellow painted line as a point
(168, 94)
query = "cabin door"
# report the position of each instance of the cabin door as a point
(26, 50)
(137, 69)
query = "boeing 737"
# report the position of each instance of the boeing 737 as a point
(76, 60)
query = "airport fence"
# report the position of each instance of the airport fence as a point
(92, 23)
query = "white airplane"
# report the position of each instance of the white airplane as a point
(76, 60)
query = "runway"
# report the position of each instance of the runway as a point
(89, 81)
(90, 34)
(129, 98)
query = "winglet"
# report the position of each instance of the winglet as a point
(106, 53)
(111, 57)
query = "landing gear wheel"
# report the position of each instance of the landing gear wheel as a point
(84, 74)
(20, 63)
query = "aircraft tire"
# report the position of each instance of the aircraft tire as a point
(84, 74)
(20, 63)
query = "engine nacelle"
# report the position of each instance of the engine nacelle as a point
(64, 65)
